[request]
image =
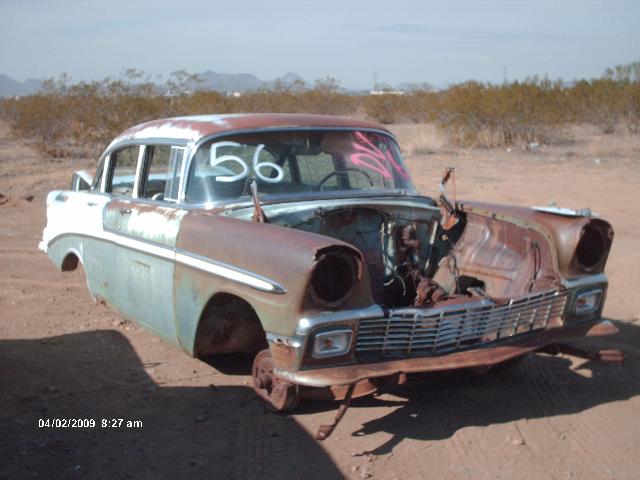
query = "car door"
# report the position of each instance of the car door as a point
(98, 250)
(145, 226)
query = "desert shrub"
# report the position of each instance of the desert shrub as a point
(488, 115)
(88, 115)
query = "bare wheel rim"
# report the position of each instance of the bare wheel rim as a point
(279, 394)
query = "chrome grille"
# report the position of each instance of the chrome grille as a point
(421, 332)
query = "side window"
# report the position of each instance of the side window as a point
(123, 171)
(163, 171)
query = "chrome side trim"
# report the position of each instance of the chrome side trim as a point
(229, 272)
(206, 264)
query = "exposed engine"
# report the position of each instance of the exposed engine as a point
(401, 246)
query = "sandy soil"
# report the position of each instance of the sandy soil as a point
(62, 356)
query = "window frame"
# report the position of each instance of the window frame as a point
(145, 165)
(108, 182)
(141, 142)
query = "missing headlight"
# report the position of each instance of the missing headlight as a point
(594, 244)
(334, 278)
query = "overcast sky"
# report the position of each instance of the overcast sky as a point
(434, 41)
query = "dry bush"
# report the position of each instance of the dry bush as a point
(419, 138)
(88, 115)
(493, 115)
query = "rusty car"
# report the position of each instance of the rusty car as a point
(301, 240)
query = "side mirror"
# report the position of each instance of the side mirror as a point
(80, 181)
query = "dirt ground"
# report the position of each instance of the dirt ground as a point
(63, 356)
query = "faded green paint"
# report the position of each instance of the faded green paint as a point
(145, 281)
(100, 268)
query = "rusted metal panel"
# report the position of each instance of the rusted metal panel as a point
(563, 232)
(194, 128)
(510, 259)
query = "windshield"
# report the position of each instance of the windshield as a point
(296, 162)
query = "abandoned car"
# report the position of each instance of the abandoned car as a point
(301, 239)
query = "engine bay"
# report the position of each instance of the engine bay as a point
(402, 247)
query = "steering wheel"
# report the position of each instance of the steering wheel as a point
(348, 169)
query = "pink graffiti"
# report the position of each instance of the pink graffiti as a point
(369, 156)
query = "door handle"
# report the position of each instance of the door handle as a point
(92, 204)
(125, 211)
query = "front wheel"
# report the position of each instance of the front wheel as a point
(279, 394)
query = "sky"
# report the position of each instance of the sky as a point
(402, 41)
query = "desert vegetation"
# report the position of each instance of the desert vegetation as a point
(68, 117)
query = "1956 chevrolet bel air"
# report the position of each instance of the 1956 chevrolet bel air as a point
(301, 238)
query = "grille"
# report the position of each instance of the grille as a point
(420, 332)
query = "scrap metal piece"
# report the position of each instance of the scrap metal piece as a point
(324, 431)
(258, 214)
(450, 216)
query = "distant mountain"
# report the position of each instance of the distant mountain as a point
(10, 87)
(224, 82)
(241, 82)
(221, 82)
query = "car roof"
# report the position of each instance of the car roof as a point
(196, 127)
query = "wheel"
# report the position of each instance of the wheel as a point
(279, 394)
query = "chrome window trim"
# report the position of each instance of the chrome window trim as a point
(139, 164)
(105, 173)
(189, 151)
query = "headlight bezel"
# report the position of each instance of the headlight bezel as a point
(588, 307)
(321, 337)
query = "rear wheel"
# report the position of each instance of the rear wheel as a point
(279, 394)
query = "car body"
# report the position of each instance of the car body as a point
(302, 237)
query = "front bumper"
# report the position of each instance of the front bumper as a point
(476, 333)
(481, 357)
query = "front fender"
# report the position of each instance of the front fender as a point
(269, 266)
